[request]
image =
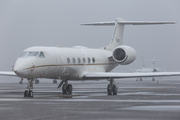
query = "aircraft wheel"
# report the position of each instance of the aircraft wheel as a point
(64, 89)
(153, 79)
(20, 82)
(109, 90)
(69, 89)
(30, 93)
(26, 93)
(36, 81)
(54, 81)
(114, 89)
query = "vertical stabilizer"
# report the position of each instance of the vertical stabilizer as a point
(117, 38)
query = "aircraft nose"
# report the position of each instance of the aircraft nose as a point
(19, 69)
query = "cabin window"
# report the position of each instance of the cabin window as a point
(89, 60)
(41, 55)
(74, 61)
(68, 60)
(84, 60)
(79, 60)
(93, 60)
(24, 54)
(33, 54)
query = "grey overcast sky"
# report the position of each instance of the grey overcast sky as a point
(26, 23)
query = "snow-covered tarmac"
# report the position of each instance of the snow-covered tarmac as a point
(136, 100)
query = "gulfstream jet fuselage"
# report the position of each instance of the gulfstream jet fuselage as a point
(60, 62)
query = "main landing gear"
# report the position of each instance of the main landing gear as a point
(36, 81)
(29, 92)
(54, 81)
(111, 88)
(66, 88)
(140, 79)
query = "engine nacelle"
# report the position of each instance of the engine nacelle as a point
(124, 54)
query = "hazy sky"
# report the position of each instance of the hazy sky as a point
(26, 23)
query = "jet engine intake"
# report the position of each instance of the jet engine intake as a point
(124, 54)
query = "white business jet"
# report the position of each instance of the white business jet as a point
(144, 69)
(81, 63)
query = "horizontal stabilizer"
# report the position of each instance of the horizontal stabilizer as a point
(145, 22)
(123, 22)
(110, 23)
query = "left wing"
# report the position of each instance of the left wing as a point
(7, 73)
(108, 75)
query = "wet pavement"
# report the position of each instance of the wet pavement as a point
(136, 100)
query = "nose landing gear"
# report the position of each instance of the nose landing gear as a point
(21, 81)
(29, 92)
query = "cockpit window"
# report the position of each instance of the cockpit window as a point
(33, 54)
(24, 54)
(41, 55)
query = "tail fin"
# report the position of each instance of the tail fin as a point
(117, 37)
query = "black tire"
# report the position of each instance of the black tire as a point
(30, 93)
(20, 82)
(54, 81)
(25, 93)
(64, 89)
(36, 81)
(69, 89)
(114, 89)
(109, 90)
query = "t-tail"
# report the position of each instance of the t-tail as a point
(117, 38)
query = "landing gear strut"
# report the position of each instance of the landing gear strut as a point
(111, 88)
(21, 81)
(29, 92)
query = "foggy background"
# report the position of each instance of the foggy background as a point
(26, 23)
